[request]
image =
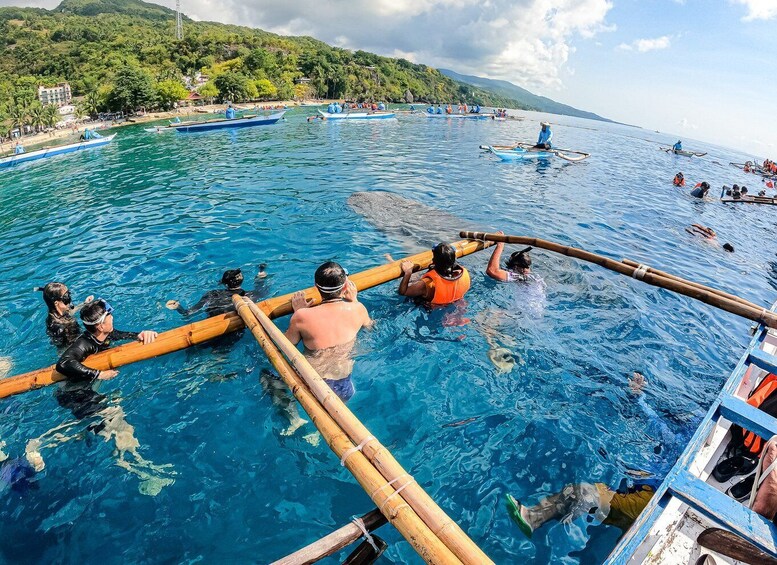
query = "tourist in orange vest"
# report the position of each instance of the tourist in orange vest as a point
(444, 283)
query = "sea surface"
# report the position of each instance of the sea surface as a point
(155, 217)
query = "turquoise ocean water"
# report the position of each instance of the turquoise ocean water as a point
(154, 217)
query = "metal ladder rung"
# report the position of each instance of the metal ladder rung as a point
(726, 511)
(741, 413)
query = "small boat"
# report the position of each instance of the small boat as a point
(223, 123)
(459, 116)
(527, 151)
(682, 152)
(159, 129)
(727, 197)
(380, 115)
(690, 513)
(13, 160)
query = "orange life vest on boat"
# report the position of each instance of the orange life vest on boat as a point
(447, 291)
(764, 390)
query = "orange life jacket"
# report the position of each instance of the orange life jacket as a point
(679, 182)
(447, 291)
(763, 391)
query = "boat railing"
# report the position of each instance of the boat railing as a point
(684, 482)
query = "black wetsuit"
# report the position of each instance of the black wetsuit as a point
(219, 301)
(63, 330)
(77, 394)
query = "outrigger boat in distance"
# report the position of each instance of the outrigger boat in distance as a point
(727, 196)
(460, 116)
(526, 151)
(380, 115)
(224, 123)
(13, 160)
(682, 152)
(691, 514)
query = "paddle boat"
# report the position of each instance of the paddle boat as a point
(13, 160)
(690, 514)
(358, 116)
(527, 151)
(682, 152)
(223, 123)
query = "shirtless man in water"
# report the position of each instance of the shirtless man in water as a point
(328, 330)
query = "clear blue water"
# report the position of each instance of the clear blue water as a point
(154, 217)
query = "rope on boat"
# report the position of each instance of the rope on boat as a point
(354, 449)
(360, 524)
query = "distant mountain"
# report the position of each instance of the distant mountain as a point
(127, 7)
(534, 102)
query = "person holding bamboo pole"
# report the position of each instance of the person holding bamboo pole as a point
(444, 283)
(328, 331)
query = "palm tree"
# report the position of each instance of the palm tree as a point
(91, 103)
(36, 117)
(50, 115)
(18, 114)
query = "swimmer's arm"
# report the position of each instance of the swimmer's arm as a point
(493, 270)
(70, 365)
(293, 334)
(418, 288)
(204, 299)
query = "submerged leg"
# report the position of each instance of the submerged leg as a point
(280, 397)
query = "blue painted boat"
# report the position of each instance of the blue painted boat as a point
(520, 154)
(690, 514)
(210, 125)
(358, 116)
(14, 160)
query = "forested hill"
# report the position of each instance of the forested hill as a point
(122, 54)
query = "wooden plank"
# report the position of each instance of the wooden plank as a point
(333, 542)
(726, 511)
(731, 545)
(741, 413)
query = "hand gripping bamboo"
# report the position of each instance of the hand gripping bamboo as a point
(392, 505)
(711, 296)
(432, 515)
(210, 328)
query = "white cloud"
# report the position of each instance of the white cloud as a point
(758, 9)
(524, 41)
(685, 124)
(645, 45)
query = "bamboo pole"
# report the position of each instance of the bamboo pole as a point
(694, 284)
(333, 542)
(432, 515)
(394, 508)
(210, 328)
(678, 285)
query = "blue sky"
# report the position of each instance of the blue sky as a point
(692, 68)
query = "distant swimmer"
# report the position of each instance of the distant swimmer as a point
(328, 331)
(61, 326)
(230, 113)
(219, 301)
(546, 135)
(444, 283)
(679, 180)
(701, 190)
(677, 146)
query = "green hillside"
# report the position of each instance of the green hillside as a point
(123, 54)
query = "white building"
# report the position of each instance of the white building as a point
(58, 95)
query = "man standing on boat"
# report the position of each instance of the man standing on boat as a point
(543, 141)
(328, 331)
(677, 146)
(230, 113)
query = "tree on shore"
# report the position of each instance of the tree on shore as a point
(18, 115)
(233, 87)
(168, 92)
(132, 89)
(209, 91)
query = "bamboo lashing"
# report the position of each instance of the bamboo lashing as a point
(694, 284)
(394, 508)
(335, 541)
(693, 290)
(210, 328)
(432, 515)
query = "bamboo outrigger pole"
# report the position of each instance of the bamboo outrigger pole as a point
(210, 328)
(711, 296)
(432, 515)
(384, 494)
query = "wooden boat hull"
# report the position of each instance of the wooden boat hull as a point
(14, 160)
(358, 116)
(253, 121)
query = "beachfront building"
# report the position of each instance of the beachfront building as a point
(59, 95)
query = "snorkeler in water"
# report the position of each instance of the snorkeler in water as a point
(219, 301)
(444, 283)
(517, 268)
(61, 325)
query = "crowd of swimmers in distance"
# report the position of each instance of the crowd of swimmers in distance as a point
(700, 191)
(337, 108)
(448, 109)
